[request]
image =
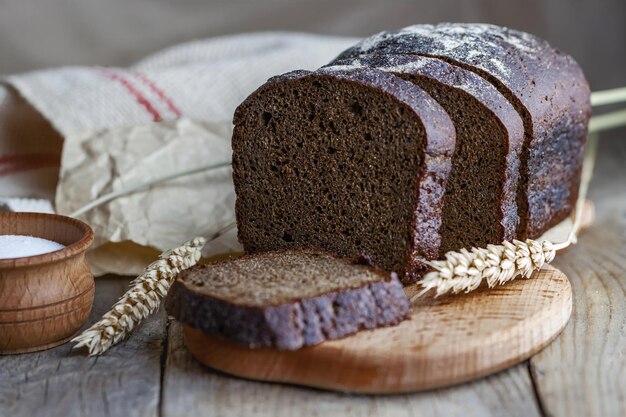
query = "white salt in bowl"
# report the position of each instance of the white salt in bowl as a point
(45, 298)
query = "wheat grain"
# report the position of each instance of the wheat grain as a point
(141, 300)
(466, 270)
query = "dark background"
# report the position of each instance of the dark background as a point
(43, 33)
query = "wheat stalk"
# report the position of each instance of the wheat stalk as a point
(466, 270)
(136, 187)
(141, 300)
(606, 97)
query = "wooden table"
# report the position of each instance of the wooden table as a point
(583, 373)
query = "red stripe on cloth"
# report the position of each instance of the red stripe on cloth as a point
(10, 164)
(160, 93)
(140, 98)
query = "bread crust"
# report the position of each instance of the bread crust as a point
(295, 324)
(546, 86)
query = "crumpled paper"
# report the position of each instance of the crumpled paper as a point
(162, 216)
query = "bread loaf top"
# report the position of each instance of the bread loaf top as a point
(546, 81)
(440, 131)
(449, 75)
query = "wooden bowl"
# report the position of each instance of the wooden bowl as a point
(44, 299)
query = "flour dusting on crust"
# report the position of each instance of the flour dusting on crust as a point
(443, 72)
(480, 44)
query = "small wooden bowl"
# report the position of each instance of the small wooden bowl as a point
(44, 299)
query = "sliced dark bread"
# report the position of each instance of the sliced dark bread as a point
(547, 88)
(287, 299)
(345, 161)
(480, 204)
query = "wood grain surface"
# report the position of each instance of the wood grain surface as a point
(44, 299)
(189, 389)
(445, 341)
(61, 382)
(586, 365)
(582, 373)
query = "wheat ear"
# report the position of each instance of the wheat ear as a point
(141, 300)
(465, 270)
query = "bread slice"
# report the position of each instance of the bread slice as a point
(547, 88)
(344, 161)
(480, 204)
(287, 299)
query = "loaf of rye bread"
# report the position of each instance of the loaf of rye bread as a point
(480, 202)
(287, 299)
(546, 86)
(494, 83)
(345, 161)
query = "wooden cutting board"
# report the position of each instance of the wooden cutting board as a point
(446, 341)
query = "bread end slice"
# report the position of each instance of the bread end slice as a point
(286, 299)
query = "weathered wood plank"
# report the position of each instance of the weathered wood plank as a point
(192, 389)
(583, 373)
(61, 382)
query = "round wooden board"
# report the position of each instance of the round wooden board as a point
(446, 341)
